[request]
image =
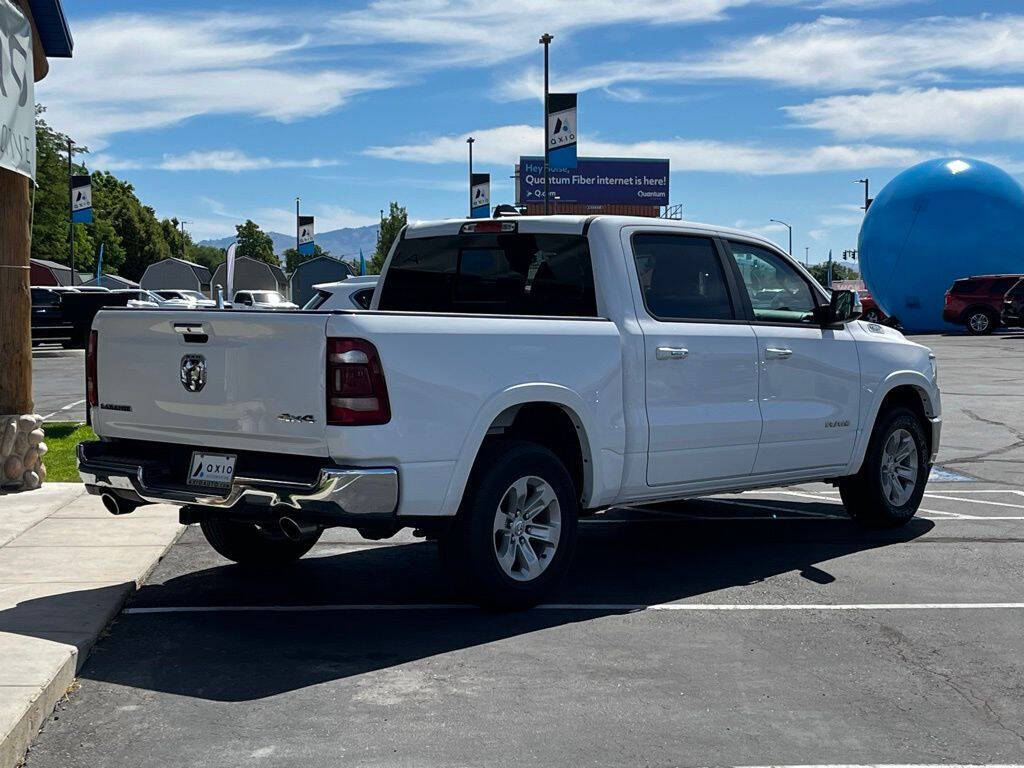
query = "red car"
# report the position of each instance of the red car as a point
(977, 301)
(870, 311)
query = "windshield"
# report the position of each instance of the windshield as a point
(267, 297)
(192, 295)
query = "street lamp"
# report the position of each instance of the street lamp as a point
(545, 40)
(182, 224)
(777, 221)
(470, 141)
(807, 254)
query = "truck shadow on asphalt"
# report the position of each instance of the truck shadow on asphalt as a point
(249, 655)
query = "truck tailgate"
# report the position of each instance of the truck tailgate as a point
(262, 389)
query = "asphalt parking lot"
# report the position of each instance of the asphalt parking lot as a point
(754, 629)
(58, 382)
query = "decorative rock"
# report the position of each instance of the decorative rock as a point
(35, 437)
(10, 431)
(42, 448)
(31, 458)
(26, 423)
(13, 468)
(30, 480)
(41, 471)
(20, 443)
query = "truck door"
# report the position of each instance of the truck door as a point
(809, 375)
(700, 360)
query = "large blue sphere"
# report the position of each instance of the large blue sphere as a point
(935, 222)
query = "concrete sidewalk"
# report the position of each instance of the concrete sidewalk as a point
(66, 567)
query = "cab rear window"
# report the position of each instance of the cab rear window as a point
(492, 274)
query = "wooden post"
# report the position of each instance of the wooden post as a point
(15, 297)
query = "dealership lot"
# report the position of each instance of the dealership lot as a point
(760, 628)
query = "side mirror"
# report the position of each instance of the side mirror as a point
(842, 308)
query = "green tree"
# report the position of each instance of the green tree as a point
(207, 255)
(390, 226)
(839, 272)
(141, 235)
(292, 257)
(255, 243)
(50, 218)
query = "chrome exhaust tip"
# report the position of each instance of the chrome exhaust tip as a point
(116, 506)
(295, 530)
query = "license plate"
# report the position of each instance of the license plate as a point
(214, 470)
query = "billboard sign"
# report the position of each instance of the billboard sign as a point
(561, 138)
(304, 241)
(596, 181)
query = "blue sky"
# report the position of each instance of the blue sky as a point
(218, 112)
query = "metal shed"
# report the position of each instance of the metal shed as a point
(322, 269)
(173, 273)
(252, 275)
(46, 272)
(113, 282)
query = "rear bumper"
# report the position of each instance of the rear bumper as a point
(339, 495)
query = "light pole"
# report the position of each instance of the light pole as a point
(545, 40)
(182, 224)
(807, 254)
(297, 222)
(867, 199)
(777, 221)
(71, 211)
(470, 141)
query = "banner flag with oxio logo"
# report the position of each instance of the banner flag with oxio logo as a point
(306, 235)
(17, 92)
(81, 199)
(480, 194)
(561, 130)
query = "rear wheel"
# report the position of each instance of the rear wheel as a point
(888, 489)
(255, 544)
(981, 322)
(872, 316)
(514, 536)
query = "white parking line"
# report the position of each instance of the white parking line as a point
(895, 765)
(627, 607)
(67, 407)
(975, 501)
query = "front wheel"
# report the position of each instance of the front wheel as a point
(981, 322)
(253, 544)
(514, 536)
(872, 316)
(888, 489)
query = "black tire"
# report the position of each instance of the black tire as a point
(981, 322)
(863, 493)
(247, 544)
(872, 316)
(469, 548)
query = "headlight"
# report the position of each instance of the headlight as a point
(935, 368)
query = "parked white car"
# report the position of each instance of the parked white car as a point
(194, 298)
(271, 300)
(510, 376)
(350, 293)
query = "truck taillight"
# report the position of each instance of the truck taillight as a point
(356, 392)
(92, 396)
(949, 297)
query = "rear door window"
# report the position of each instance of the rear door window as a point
(1002, 285)
(681, 277)
(509, 273)
(44, 298)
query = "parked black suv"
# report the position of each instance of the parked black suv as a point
(1013, 306)
(48, 322)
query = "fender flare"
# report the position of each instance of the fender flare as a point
(519, 395)
(925, 390)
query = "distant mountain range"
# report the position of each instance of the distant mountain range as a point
(342, 243)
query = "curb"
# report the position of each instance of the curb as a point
(17, 742)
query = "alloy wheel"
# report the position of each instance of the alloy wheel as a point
(899, 467)
(979, 322)
(527, 528)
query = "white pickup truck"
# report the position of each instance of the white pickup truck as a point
(511, 375)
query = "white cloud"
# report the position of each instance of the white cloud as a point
(135, 72)
(504, 145)
(829, 53)
(483, 33)
(983, 114)
(234, 160)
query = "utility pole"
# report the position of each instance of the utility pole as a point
(777, 221)
(297, 223)
(15, 297)
(867, 198)
(545, 40)
(470, 141)
(182, 224)
(71, 211)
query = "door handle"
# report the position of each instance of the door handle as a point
(777, 353)
(671, 353)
